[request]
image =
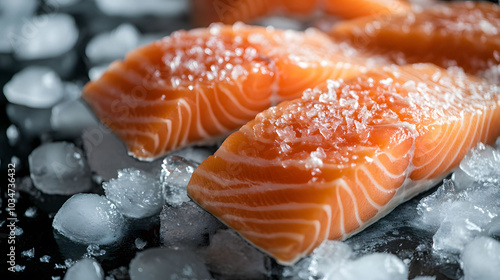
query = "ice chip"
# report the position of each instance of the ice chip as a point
(186, 225)
(175, 174)
(377, 266)
(481, 259)
(233, 258)
(136, 193)
(35, 87)
(28, 253)
(85, 269)
(106, 47)
(89, 219)
(136, 8)
(12, 134)
(140, 243)
(45, 259)
(48, 35)
(59, 168)
(72, 117)
(163, 263)
(30, 212)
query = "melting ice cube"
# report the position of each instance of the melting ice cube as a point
(59, 168)
(85, 269)
(72, 117)
(34, 86)
(89, 219)
(325, 260)
(481, 259)
(114, 45)
(107, 154)
(377, 266)
(48, 35)
(162, 263)
(136, 194)
(186, 225)
(231, 256)
(175, 174)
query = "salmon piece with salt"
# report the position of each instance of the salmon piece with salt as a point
(329, 164)
(465, 34)
(205, 12)
(202, 84)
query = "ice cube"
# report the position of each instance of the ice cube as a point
(175, 174)
(432, 209)
(231, 257)
(322, 264)
(46, 35)
(135, 8)
(481, 259)
(163, 263)
(377, 266)
(85, 269)
(10, 27)
(186, 225)
(109, 46)
(482, 164)
(282, 22)
(59, 168)
(89, 219)
(45, 259)
(96, 72)
(195, 153)
(35, 87)
(107, 154)
(136, 193)
(17, 9)
(32, 122)
(72, 117)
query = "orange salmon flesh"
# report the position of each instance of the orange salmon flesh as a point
(329, 164)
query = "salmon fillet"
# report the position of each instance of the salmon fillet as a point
(329, 164)
(465, 34)
(205, 12)
(201, 84)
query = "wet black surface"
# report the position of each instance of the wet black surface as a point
(391, 234)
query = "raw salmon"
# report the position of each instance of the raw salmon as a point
(205, 12)
(202, 84)
(343, 156)
(466, 34)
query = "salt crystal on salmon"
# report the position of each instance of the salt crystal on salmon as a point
(329, 164)
(465, 34)
(202, 84)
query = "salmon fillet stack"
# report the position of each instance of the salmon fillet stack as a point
(465, 34)
(329, 164)
(201, 84)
